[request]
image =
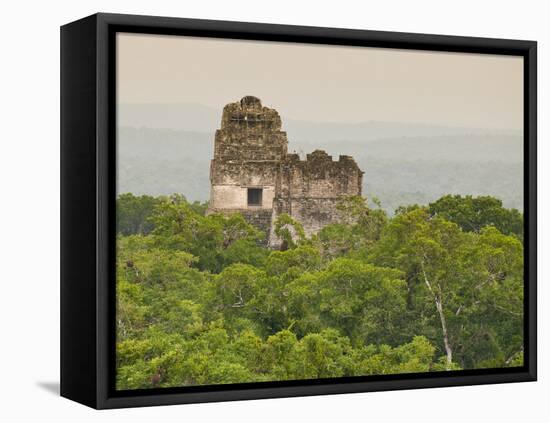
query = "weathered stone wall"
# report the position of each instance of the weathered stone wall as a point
(320, 177)
(315, 213)
(250, 151)
(244, 173)
(310, 190)
(250, 132)
(235, 197)
(260, 218)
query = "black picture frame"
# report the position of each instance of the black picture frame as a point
(88, 208)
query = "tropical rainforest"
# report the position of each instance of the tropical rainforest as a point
(202, 301)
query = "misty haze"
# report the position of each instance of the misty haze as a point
(166, 148)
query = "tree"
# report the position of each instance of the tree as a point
(132, 214)
(289, 231)
(474, 213)
(324, 355)
(291, 263)
(423, 248)
(214, 239)
(489, 319)
(413, 357)
(365, 302)
(359, 229)
(454, 271)
(200, 299)
(233, 293)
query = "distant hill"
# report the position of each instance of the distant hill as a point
(200, 118)
(468, 147)
(417, 167)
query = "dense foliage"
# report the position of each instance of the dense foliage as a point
(201, 300)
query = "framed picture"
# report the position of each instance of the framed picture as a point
(256, 211)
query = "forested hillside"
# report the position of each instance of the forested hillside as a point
(200, 301)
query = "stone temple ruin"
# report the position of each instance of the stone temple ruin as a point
(252, 173)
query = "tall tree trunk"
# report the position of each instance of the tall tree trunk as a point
(448, 348)
(439, 307)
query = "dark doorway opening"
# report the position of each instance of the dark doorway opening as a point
(254, 196)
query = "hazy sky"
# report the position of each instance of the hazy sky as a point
(324, 83)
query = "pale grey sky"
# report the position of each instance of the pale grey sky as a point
(324, 83)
